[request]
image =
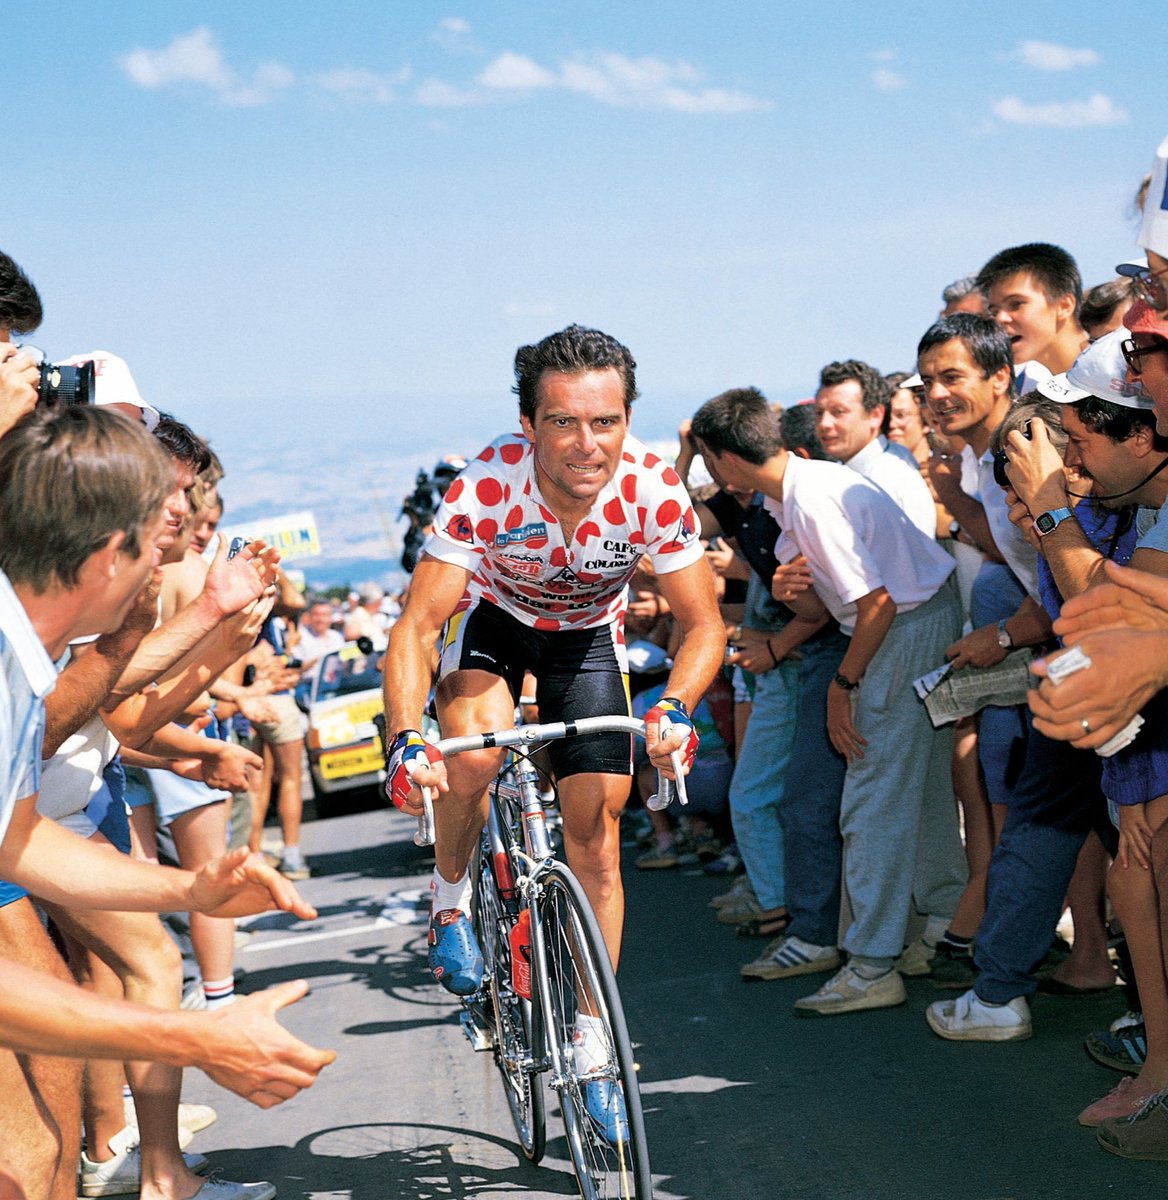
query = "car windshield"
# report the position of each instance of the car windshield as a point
(347, 671)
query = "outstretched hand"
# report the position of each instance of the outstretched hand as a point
(240, 883)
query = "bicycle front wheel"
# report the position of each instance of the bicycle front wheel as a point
(597, 1083)
(511, 1013)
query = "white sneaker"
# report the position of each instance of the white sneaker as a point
(914, 962)
(122, 1174)
(968, 1019)
(224, 1189)
(789, 955)
(191, 1118)
(847, 991)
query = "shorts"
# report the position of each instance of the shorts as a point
(579, 673)
(10, 893)
(289, 727)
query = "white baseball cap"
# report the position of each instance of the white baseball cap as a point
(1154, 231)
(1099, 371)
(113, 384)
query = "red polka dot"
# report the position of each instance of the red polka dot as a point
(511, 453)
(506, 492)
(488, 491)
(557, 606)
(668, 513)
(588, 530)
(614, 513)
(514, 518)
(559, 557)
(526, 590)
(627, 457)
(485, 530)
(651, 459)
(637, 538)
(642, 515)
(671, 477)
(547, 623)
(455, 490)
(620, 635)
(588, 577)
(628, 488)
(548, 515)
(487, 454)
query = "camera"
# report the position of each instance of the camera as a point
(1002, 461)
(60, 384)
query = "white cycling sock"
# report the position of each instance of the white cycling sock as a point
(589, 1047)
(451, 895)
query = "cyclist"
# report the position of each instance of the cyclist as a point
(526, 569)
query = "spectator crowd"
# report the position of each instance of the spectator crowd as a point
(991, 505)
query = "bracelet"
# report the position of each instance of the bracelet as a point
(771, 651)
(845, 683)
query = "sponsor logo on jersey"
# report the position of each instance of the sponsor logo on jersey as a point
(460, 528)
(528, 569)
(533, 535)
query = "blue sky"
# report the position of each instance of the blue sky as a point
(335, 222)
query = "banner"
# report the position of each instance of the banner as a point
(293, 534)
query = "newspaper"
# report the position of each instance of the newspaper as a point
(950, 695)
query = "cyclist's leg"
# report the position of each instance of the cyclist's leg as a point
(592, 804)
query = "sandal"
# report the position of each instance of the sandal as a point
(764, 927)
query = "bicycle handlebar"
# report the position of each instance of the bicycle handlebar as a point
(529, 735)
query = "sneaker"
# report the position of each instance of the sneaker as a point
(1124, 1051)
(952, 967)
(969, 1019)
(848, 991)
(740, 888)
(1129, 1018)
(1143, 1135)
(455, 958)
(605, 1104)
(193, 999)
(745, 908)
(914, 962)
(298, 872)
(789, 955)
(729, 862)
(658, 860)
(122, 1174)
(224, 1189)
(1126, 1098)
(191, 1119)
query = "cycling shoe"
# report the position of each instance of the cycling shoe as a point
(605, 1104)
(456, 961)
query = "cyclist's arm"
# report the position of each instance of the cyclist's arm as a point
(690, 593)
(435, 590)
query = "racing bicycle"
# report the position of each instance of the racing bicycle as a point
(546, 964)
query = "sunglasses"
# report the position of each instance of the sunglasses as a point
(1133, 353)
(1149, 286)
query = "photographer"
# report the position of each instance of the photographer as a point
(20, 312)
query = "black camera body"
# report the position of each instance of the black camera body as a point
(61, 385)
(1002, 461)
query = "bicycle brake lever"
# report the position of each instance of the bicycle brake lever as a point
(668, 788)
(425, 833)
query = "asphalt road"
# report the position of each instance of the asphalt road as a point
(742, 1099)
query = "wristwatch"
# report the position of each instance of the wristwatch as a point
(844, 682)
(1004, 639)
(1050, 520)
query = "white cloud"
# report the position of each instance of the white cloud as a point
(195, 58)
(514, 308)
(515, 72)
(1049, 56)
(883, 55)
(437, 93)
(454, 25)
(361, 85)
(651, 83)
(1070, 114)
(885, 80)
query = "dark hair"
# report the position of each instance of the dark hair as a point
(1100, 303)
(1117, 421)
(739, 421)
(958, 290)
(70, 478)
(798, 431)
(984, 339)
(182, 443)
(20, 302)
(873, 389)
(573, 351)
(1051, 267)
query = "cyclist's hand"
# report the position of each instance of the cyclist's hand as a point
(412, 763)
(680, 735)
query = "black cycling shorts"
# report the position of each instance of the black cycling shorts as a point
(579, 673)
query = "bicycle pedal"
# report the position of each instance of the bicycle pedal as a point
(480, 1038)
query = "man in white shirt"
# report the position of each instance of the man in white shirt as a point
(886, 583)
(851, 410)
(317, 637)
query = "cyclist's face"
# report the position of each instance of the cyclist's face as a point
(578, 434)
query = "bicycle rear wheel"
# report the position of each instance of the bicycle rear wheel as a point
(511, 1013)
(574, 975)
